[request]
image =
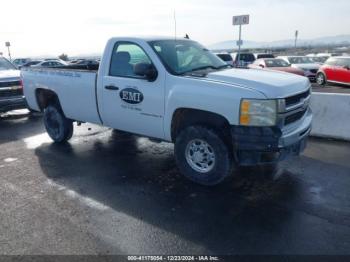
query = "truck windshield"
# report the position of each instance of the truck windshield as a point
(6, 65)
(183, 56)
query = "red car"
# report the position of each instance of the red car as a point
(336, 70)
(277, 65)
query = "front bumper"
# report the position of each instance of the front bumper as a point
(310, 75)
(266, 145)
(13, 103)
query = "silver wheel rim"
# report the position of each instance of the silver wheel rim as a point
(320, 79)
(200, 156)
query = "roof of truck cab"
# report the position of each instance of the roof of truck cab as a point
(151, 38)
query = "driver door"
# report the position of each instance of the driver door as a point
(129, 102)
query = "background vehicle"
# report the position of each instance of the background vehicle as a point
(227, 58)
(11, 91)
(180, 92)
(328, 54)
(50, 63)
(31, 63)
(319, 59)
(87, 62)
(75, 61)
(244, 60)
(18, 62)
(84, 64)
(304, 63)
(336, 70)
(263, 55)
(276, 64)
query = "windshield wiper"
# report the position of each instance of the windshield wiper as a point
(202, 68)
(223, 66)
(205, 67)
(197, 69)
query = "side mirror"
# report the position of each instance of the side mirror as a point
(148, 71)
(262, 66)
(347, 67)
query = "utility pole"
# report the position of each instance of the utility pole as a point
(7, 44)
(175, 23)
(239, 43)
(296, 39)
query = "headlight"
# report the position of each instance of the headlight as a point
(258, 112)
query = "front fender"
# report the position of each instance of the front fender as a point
(219, 98)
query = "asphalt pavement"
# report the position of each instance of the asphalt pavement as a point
(331, 88)
(106, 192)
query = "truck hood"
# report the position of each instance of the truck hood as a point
(272, 84)
(307, 66)
(8, 75)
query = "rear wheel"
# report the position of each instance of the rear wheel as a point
(59, 128)
(321, 79)
(202, 155)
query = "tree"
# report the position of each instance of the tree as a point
(64, 57)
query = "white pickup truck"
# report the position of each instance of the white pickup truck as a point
(176, 90)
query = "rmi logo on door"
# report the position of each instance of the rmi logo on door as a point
(131, 95)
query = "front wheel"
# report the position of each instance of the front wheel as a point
(59, 128)
(202, 155)
(321, 79)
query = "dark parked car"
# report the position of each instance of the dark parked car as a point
(31, 63)
(227, 58)
(336, 70)
(244, 59)
(11, 90)
(264, 55)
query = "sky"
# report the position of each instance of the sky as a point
(77, 27)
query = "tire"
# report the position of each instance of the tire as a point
(59, 128)
(202, 155)
(321, 79)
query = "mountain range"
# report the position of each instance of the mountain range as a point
(320, 41)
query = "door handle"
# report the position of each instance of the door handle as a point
(111, 87)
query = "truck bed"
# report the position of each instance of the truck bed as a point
(93, 68)
(75, 88)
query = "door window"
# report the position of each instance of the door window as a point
(331, 62)
(125, 55)
(342, 62)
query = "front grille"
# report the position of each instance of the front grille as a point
(294, 117)
(11, 92)
(10, 88)
(10, 83)
(292, 100)
(314, 71)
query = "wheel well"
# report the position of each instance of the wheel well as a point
(184, 117)
(45, 97)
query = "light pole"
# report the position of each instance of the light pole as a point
(7, 44)
(296, 39)
(240, 20)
